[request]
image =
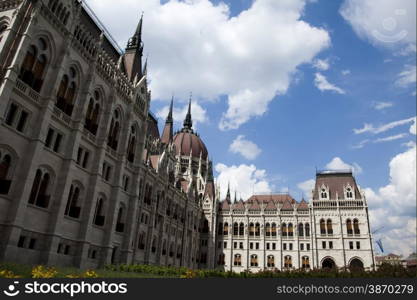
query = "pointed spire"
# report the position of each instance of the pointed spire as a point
(188, 122)
(235, 197)
(228, 193)
(168, 132)
(135, 42)
(171, 107)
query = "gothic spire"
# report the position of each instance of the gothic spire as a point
(167, 134)
(133, 54)
(188, 122)
(135, 42)
(228, 193)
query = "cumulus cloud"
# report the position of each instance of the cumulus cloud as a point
(244, 147)
(197, 45)
(393, 207)
(321, 64)
(244, 179)
(407, 76)
(380, 105)
(323, 84)
(338, 164)
(382, 128)
(198, 113)
(307, 188)
(385, 23)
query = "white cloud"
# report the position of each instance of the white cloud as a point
(393, 207)
(380, 105)
(197, 45)
(323, 85)
(338, 164)
(361, 144)
(407, 76)
(244, 179)
(244, 147)
(391, 138)
(413, 127)
(345, 72)
(307, 187)
(386, 23)
(382, 128)
(321, 64)
(198, 113)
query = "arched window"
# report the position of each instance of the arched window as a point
(254, 260)
(220, 229)
(93, 112)
(356, 226)
(349, 193)
(305, 262)
(251, 229)
(274, 229)
(257, 229)
(267, 229)
(300, 229)
(226, 228)
(99, 216)
(270, 261)
(307, 229)
(66, 92)
(120, 225)
(284, 231)
(131, 146)
(287, 261)
(241, 229)
(34, 65)
(322, 226)
(237, 261)
(73, 207)
(329, 227)
(235, 228)
(290, 230)
(142, 241)
(5, 165)
(349, 226)
(113, 137)
(39, 194)
(323, 193)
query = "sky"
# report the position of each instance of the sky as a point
(281, 89)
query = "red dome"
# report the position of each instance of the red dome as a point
(186, 140)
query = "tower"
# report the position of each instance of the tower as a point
(167, 133)
(133, 55)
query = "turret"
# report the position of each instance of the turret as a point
(133, 54)
(167, 134)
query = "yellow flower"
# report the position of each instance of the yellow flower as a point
(90, 274)
(8, 274)
(43, 272)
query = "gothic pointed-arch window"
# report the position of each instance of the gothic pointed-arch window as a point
(99, 215)
(235, 229)
(241, 229)
(251, 229)
(121, 216)
(349, 226)
(356, 226)
(131, 146)
(226, 229)
(237, 261)
(349, 193)
(323, 193)
(307, 229)
(270, 261)
(67, 89)
(73, 207)
(322, 226)
(301, 229)
(254, 260)
(113, 136)
(5, 166)
(34, 65)
(93, 113)
(142, 241)
(39, 194)
(290, 229)
(274, 229)
(267, 229)
(329, 226)
(287, 261)
(284, 231)
(305, 262)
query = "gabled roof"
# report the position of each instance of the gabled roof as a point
(271, 206)
(238, 205)
(224, 205)
(209, 191)
(277, 198)
(287, 206)
(255, 206)
(302, 205)
(336, 181)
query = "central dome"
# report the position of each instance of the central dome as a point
(186, 141)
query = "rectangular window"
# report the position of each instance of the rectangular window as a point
(85, 160)
(351, 245)
(79, 155)
(323, 245)
(235, 245)
(22, 121)
(32, 243)
(251, 245)
(224, 245)
(301, 246)
(11, 114)
(257, 246)
(358, 245)
(284, 246)
(125, 183)
(308, 246)
(290, 246)
(273, 246)
(57, 142)
(331, 245)
(49, 138)
(67, 250)
(241, 245)
(21, 242)
(267, 246)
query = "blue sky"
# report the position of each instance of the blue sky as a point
(282, 89)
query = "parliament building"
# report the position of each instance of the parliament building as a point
(87, 179)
